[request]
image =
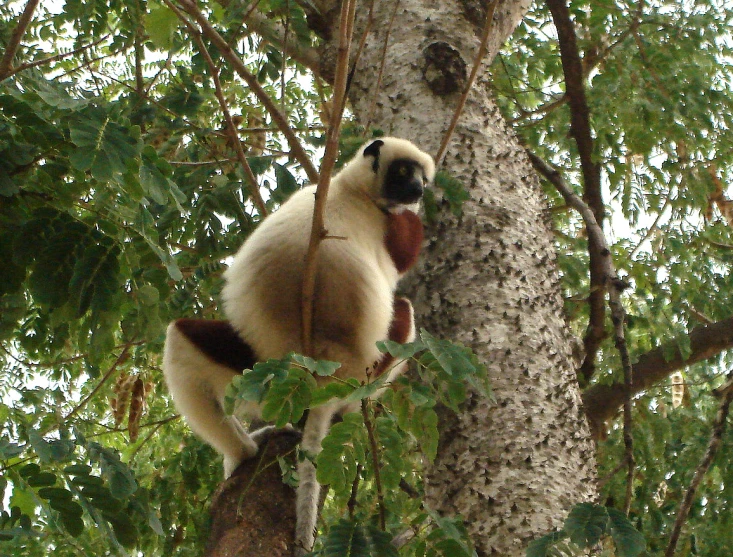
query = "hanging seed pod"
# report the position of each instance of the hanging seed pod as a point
(137, 400)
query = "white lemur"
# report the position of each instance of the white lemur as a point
(374, 237)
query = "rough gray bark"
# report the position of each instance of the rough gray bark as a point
(488, 280)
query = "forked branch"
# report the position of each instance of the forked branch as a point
(236, 63)
(231, 128)
(11, 49)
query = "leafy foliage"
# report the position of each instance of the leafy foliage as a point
(585, 526)
(403, 424)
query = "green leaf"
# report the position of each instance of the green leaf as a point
(121, 480)
(324, 368)
(352, 539)
(541, 546)
(104, 147)
(629, 541)
(424, 425)
(125, 531)
(456, 360)
(42, 479)
(586, 523)
(332, 390)
(287, 400)
(343, 449)
(161, 25)
(453, 191)
(254, 384)
(400, 351)
(286, 183)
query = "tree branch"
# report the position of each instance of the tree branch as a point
(56, 58)
(113, 368)
(230, 127)
(726, 395)
(580, 129)
(278, 117)
(11, 49)
(318, 231)
(480, 55)
(273, 34)
(706, 341)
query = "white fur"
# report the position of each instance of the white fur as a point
(354, 293)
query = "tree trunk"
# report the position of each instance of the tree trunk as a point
(488, 279)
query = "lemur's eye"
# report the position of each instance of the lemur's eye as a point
(403, 171)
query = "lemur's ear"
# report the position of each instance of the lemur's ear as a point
(372, 150)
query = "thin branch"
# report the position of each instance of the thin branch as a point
(580, 129)
(654, 227)
(375, 463)
(380, 74)
(231, 128)
(56, 58)
(318, 231)
(351, 504)
(70, 360)
(362, 43)
(478, 59)
(273, 34)
(278, 117)
(11, 49)
(113, 368)
(540, 110)
(615, 286)
(726, 397)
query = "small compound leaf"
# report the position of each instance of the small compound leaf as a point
(586, 523)
(540, 547)
(629, 541)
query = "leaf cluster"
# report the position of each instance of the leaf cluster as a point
(402, 425)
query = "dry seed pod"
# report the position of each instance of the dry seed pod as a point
(678, 389)
(122, 389)
(137, 401)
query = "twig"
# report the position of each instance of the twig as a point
(52, 59)
(378, 86)
(230, 126)
(120, 359)
(278, 117)
(654, 227)
(480, 54)
(614, 285)
(72, 359)
(11, 49)
(318, 231)
(725, 394)
(360, 47)
(263, 25)
(351, 504)
(375, 463)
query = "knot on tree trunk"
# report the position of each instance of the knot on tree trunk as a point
(444, 69)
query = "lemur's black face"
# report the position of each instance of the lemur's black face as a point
(403, 181)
